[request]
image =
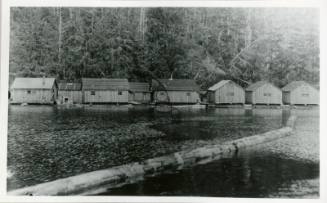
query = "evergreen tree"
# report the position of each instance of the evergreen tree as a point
(205, 44)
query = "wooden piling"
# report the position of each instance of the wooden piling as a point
(100, 181)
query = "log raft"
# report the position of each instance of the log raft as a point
(100, 181)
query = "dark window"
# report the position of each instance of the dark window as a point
(144, 94)
(188, 94)
(162, 93)
(28, 91)
(120, 93)
(92, 92)
(267, 94)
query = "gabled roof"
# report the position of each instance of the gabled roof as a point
(256, 85)
(139, 87)
(293, 85)
(175, 85)
(219, 85)
(33, 83)
(63, 85)
(104, 84)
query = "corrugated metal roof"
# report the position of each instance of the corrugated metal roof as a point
(33, 83)
(256, 85)
(104, 84)
(139, 87)
(219, 85)
(293, 85)
(176, 85)
(63, 85)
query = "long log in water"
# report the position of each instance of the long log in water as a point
(102, 180)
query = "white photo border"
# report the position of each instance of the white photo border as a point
(5, 37)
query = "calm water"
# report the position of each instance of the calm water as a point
(46, 143)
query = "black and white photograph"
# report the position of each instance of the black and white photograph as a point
(162, 101)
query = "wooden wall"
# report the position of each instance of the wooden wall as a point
(211, 96)
(177, 97)
(36, 96)
(74, 96)
(142, 97)
(267, 94)
(248, 97)
(302, 95)
(230, 93)
(286, 97)
(105, 96)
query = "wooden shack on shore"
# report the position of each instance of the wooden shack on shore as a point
(69, 92)
(34, 91)
(263, 92)
(175, 91)
(104, 90)
(300, 93)
(226, 92)
(139, 92)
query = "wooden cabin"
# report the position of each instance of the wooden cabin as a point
(300, 92)
(104, 90)
(175, 91)
(139, 92)
(69, 92)
(34, 91)
(226, 92)
(263, 92)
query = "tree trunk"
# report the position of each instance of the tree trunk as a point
(60, 41)
(248, 30)
(142, 23)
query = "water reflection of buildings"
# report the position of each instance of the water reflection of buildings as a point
(230, 112)
(31, 109)
(267, 112)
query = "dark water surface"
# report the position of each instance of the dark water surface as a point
(244, 176)
(46, 143)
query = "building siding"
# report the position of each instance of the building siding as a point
(73, 96)
(229, 93)
(267, 94)
(142, 97)
(36, 96)
(286, 97)
(211, 96)
(177, 97)
(105, 96)
(302, 95)
(248, 97)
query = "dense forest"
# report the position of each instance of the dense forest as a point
(205, 44)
